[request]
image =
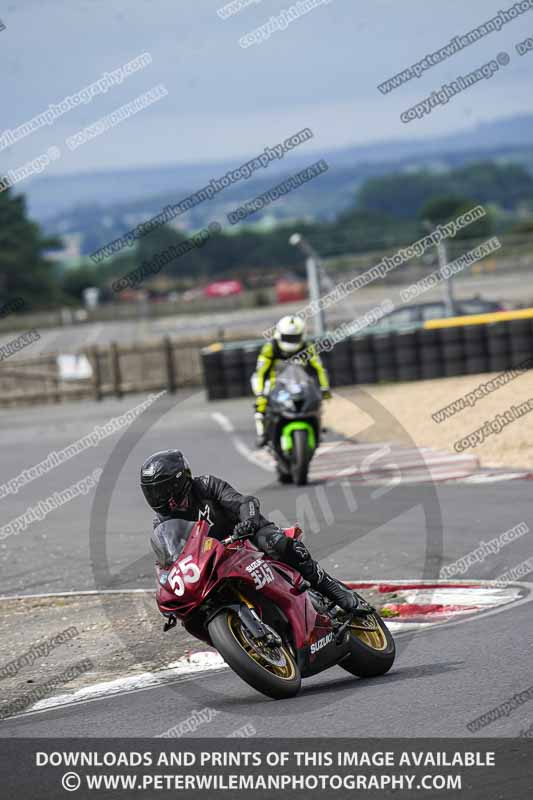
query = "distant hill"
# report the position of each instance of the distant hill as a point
(102, 205)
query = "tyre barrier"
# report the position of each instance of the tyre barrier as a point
(418, 355)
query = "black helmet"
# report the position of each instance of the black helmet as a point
(166, 479)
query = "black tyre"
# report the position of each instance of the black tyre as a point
(216, 391)
(406, 357)
(498, 342)
(450, 335)
(476, 366)
(363, 361)
(520, 345)
(342, 377)
(428, 337)
(283, 477)
(385, 374)
(453, 368)
(430, 371)
(499, 363)
(213, 366)
(300, 457)
(406, 350)
(409, 372)
(408, 340)
(372, 648)
(235, 373)
(362, 344)
(366, 376)
(452, 351)
(475, 350)
(522, 363)
(385, 359)
(520, 328)
(430, 354)
(473, 333)
(236, 390)
(341, 356)
(498, 346)
(269, 670)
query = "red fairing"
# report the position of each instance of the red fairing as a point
(204, 563)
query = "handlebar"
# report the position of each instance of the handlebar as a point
(235, 538)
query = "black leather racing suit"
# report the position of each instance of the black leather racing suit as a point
(222, 507)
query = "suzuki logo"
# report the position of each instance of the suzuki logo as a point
(316, 646)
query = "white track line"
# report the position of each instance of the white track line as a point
(256, 458)
(252, 456)
(75, 594)
(225, 423)
(495, 477)
(206, 661)
(441, 466)
(203, 661)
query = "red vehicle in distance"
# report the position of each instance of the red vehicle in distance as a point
(223, 289)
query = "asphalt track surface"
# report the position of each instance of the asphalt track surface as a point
(442, 678)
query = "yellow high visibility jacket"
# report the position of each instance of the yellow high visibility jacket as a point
(271, 357)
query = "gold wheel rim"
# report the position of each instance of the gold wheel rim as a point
(286, 673)
(371, 637)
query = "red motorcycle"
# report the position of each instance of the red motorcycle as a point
(267, 623)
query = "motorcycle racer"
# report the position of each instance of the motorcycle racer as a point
(172, 492)
(287, 342)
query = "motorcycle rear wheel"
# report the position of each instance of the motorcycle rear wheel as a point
(271, 671)
(372, 648)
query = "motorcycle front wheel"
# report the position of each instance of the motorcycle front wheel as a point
(372, 648)
(300, 457)
(270, 670)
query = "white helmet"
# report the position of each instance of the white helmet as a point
(289, 334)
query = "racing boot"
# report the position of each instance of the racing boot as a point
(261, 438)
(298, 556)
(337, 592)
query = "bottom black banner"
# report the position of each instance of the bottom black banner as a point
(487, 769)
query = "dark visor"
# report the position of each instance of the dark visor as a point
(158, 494)
(291, 338)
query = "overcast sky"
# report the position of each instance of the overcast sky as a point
(225, 101)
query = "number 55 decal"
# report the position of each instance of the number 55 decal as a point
(190, 574)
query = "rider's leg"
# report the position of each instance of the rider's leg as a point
(293, 552)
(260, 408)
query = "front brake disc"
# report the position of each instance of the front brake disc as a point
(273, 656)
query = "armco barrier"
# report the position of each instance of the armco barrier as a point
(431, 352)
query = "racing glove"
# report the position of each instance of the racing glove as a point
(244, 529)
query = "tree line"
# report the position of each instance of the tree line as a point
(387, 212)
